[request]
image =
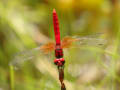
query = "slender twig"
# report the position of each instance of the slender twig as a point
(11, 78)
(61, 77)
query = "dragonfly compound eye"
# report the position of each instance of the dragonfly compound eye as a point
(62, 61)
(59, 61)
(56, 61)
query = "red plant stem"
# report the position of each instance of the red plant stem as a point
(61, 74)
(61, 77)
(63, 86)
(56, 27)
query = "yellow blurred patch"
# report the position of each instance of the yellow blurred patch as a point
(65, 4)
(79, 4)
(90, 3)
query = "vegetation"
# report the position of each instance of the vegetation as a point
(26, 24)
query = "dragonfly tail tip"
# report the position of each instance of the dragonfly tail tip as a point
(54, 11)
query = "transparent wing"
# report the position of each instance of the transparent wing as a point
(91, 40)
(82, 53)
(29, 55)
(19, 58)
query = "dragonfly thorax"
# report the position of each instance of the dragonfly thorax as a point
(58, 52)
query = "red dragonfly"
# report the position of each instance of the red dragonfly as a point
(67, 42)
(58, 47)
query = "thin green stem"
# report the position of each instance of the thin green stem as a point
(11, 78)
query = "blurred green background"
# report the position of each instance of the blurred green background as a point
(26, 24)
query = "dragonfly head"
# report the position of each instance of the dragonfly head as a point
(59, 61)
